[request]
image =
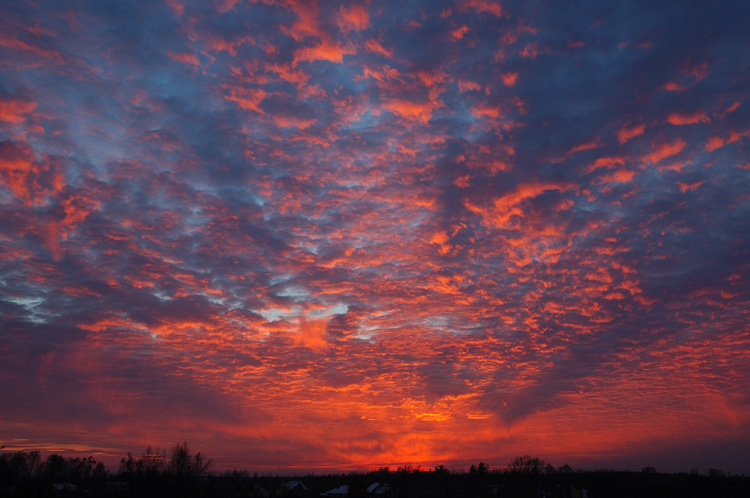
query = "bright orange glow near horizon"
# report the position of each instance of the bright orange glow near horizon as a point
(313, 236)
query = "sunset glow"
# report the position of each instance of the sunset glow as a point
(343, 235)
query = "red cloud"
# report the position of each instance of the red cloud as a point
(223, 5)
(292, 122)
(468, 86)
(493, 112)
(27, 178)
(184, 57)
(697, 71)
(509, 79)
(176, 6)
(593, 144)
(684, 187)
(247, 98)
(15, 111)
(717, 142)
(619, 176)
(326, 50)
(43, 53)
(531, 50)
(415, 111)
(688, 118)
(307, 24)
(484, 6)
(665, 150)
(459, 32)
(353, 18)
(627, 132)
(605, 162)
(671, 86)
(511, 204)
(374, 46)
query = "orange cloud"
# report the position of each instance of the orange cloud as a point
(697, 71)
(15, 111)
(510, 204)
(431, 78)
(605, 162)
(717, 142)
(664, 150)
(374, 46)
(496, 166)
(531, 50)
(415, 111)
(714, 143)
(619, 176)
(593, 144)
(223, 6)
(289, 74)
(306, 25)
(441, 239)
(733, 107)
(484, 6)
(487, 111)
(509, 79)
(679, 119)
(353, 18)
(311, 333)
(247, 98)
(76, 210)
(462, 181)
(627, 132)
(326, 50)
(43, 53)
(671, 86)
(176, 6)
(468, 86)
(292, 122)
(26, 177)
(184, 57)
(460, 32)
(685, 187)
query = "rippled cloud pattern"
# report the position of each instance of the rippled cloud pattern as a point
(316, 234)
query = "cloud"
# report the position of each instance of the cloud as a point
(353, 17)
(323, 51)
(627, 132)
(679, 119)
(15, 110)
(349, 238)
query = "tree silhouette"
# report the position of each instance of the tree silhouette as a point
(183, 463)
(526, 465)
(565, 469)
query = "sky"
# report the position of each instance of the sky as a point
(310, 235)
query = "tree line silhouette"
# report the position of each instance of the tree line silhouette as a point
(182, 473)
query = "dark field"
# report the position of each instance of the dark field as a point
(186, 475)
